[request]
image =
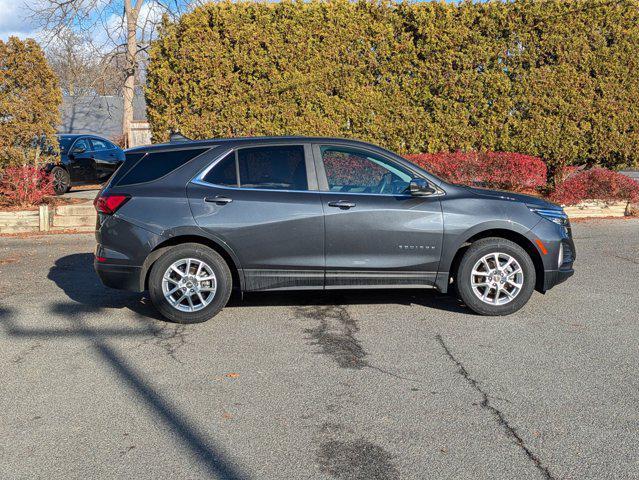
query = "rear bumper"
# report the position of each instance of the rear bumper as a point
(123, 248)
(122, 277)
(555, 277)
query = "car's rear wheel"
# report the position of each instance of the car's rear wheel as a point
(190, 283)
(495, 277)
(61, 180)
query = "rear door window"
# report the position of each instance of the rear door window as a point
(269, 168)
(273, 168)
(155, 165)
(99, 145)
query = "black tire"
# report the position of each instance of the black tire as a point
(224, 282)
(61, 180)
(479, 250)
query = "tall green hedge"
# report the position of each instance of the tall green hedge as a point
(29, 103)
(554, 78)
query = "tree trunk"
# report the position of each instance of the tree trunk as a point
(36, 160)
(131, 13)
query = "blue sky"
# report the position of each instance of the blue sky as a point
(14, 19)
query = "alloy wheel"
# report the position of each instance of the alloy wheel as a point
(497, 278)
(60, 182)
(189, 285)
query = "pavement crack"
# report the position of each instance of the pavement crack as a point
(170, 338)
(498, 414)
(627, 259)
(22, 356)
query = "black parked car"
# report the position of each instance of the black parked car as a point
(189, 221)
(84, 160)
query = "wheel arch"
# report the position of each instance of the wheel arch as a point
(514, 236)
(51, 165)
(228, 256)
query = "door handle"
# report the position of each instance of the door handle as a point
(344, 205)
(218, 200)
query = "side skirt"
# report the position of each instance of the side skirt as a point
(272, 279)
(267, 279)
(336, 279)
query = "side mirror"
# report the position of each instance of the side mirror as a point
(419, 187)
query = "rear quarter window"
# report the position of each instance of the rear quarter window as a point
(156, 165)
(130, 160)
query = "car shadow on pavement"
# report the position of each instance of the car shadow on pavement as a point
(419, 297)
(75, 275)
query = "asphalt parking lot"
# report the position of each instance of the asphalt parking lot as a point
(86, 192)
(377, 385)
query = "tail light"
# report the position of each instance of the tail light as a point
(109, 204)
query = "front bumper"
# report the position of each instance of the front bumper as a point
(555, 277)
(557, 255)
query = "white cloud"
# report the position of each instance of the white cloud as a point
(14, 20)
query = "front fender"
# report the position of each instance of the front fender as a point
(453, 241)
(467, 215)
(456, 239)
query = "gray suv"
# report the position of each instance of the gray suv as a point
(191, 221)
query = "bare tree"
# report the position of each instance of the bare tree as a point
(81, 70)
(71, 63)
(118, 33)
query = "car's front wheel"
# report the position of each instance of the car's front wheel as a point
(61, 180)
(495, 277)
(190, 283)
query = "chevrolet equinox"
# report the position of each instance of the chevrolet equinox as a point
(191, 221)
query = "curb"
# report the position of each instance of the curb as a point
(597, 209)
(80, 217)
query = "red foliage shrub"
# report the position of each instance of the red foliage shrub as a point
(503, 170)
(596, 184)
(344, 168)
(24, 186)
(568, 171)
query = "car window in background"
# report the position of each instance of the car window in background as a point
(81, 143)
(99, 145)
(65, 143)
(273, 168)
(224, 173)
(355, 171)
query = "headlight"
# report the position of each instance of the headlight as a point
(557, 216)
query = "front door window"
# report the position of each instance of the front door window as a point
(81, 146)
(356, 171)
